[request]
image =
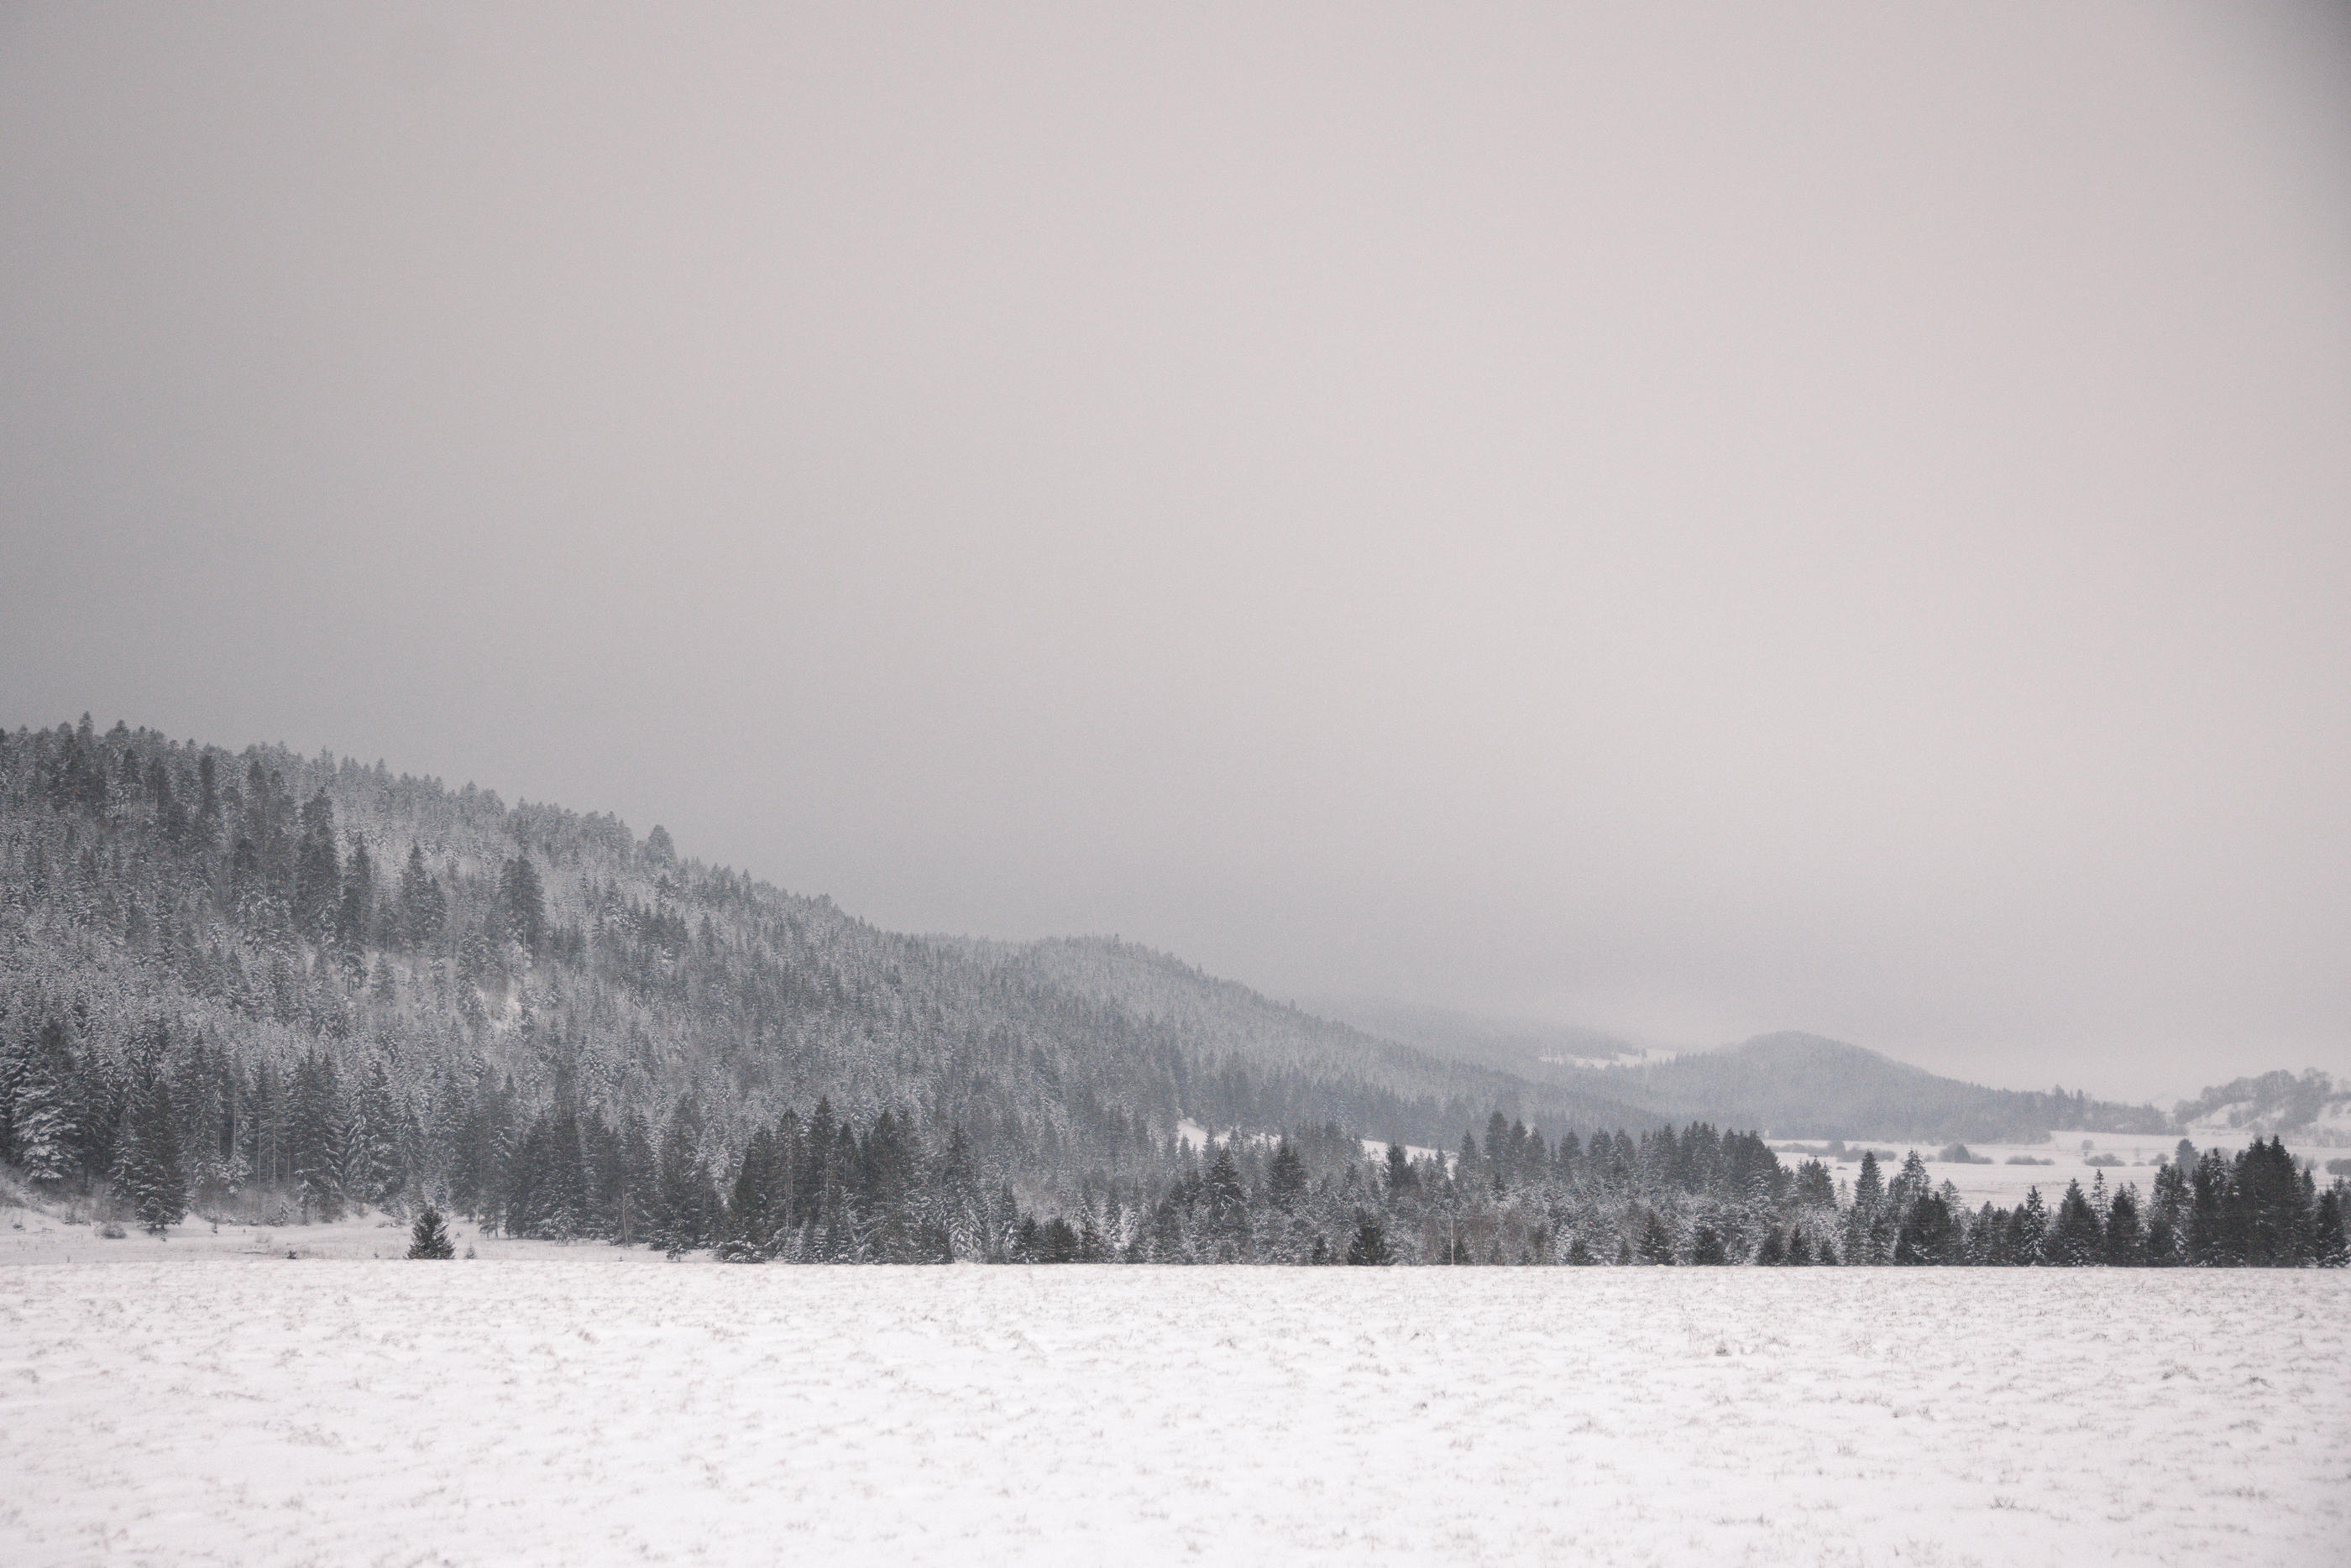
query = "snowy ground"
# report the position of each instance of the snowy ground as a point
(596, 1408)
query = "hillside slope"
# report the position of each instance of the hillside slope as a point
(455, 964)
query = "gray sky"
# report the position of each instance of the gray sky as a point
(1686, 522)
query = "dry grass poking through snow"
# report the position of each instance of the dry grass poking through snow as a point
(252, 1411)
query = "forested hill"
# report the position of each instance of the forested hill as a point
(1803, 1085)
(460, 962)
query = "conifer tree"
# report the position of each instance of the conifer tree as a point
(2329, 1247)
(41, 1121)
(2126, 1241)
(318, 1138)
(2076, 1239)
(355, 910)
(1869, 1187)
(1285, 1177)
(1227, 1203)
(1401, 1176)
(1657, 1241)
(1370, 1246)
(429, 1237)
(683, 1198)
(523, 901)
(2028, 1228)
(423, 907)
(318, 872)
(148, 1171)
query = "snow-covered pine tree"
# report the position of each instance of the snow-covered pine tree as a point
(374, 1169)
(429, 1237)
(424, 906)
(2076, 1239)
(318, 1138)
(42, 1121)
(2126, 1239)
(2028, 1228)
(1227, 1203)
(683, 1198)
(523, 901)
(1869, 1187)
(147, 1172)
(2330, 1248)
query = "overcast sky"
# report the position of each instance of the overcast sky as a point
(1689, 523)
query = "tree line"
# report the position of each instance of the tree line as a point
(195, 1126)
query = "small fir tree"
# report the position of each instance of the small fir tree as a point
(1370, 1247)
(429, 1237)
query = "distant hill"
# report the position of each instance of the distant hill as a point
(1285, 1043)
(1803, 1086)
(2312, 1106)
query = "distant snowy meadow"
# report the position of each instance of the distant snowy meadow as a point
(579, 1409)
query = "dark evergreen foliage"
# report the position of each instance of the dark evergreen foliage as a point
(429, 1236)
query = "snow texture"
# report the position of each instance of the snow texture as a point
(586, 1410)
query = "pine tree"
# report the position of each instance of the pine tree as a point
(2126, 1241)
(318, 1138)
(2329, 1248)
(1706, 1248)
(1402, 1177)
(423, 907)
(429, 1237)
(1869, 1187)
(374, 1171)
(2028, 1228)
(2076, 1239)
(318, 872)
(1370, 1246)
(1227, 1203)
(148, 1171)
(523, 902)
(683, 1198)
(1929, 1233)
(42, 1120)
(355, 912)
(1657, 1241)
(1285, 1177)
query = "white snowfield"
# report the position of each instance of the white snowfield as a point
(256, 1410)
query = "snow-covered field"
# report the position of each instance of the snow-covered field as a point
(250, 1409)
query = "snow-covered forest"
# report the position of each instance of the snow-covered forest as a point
(267, 988)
